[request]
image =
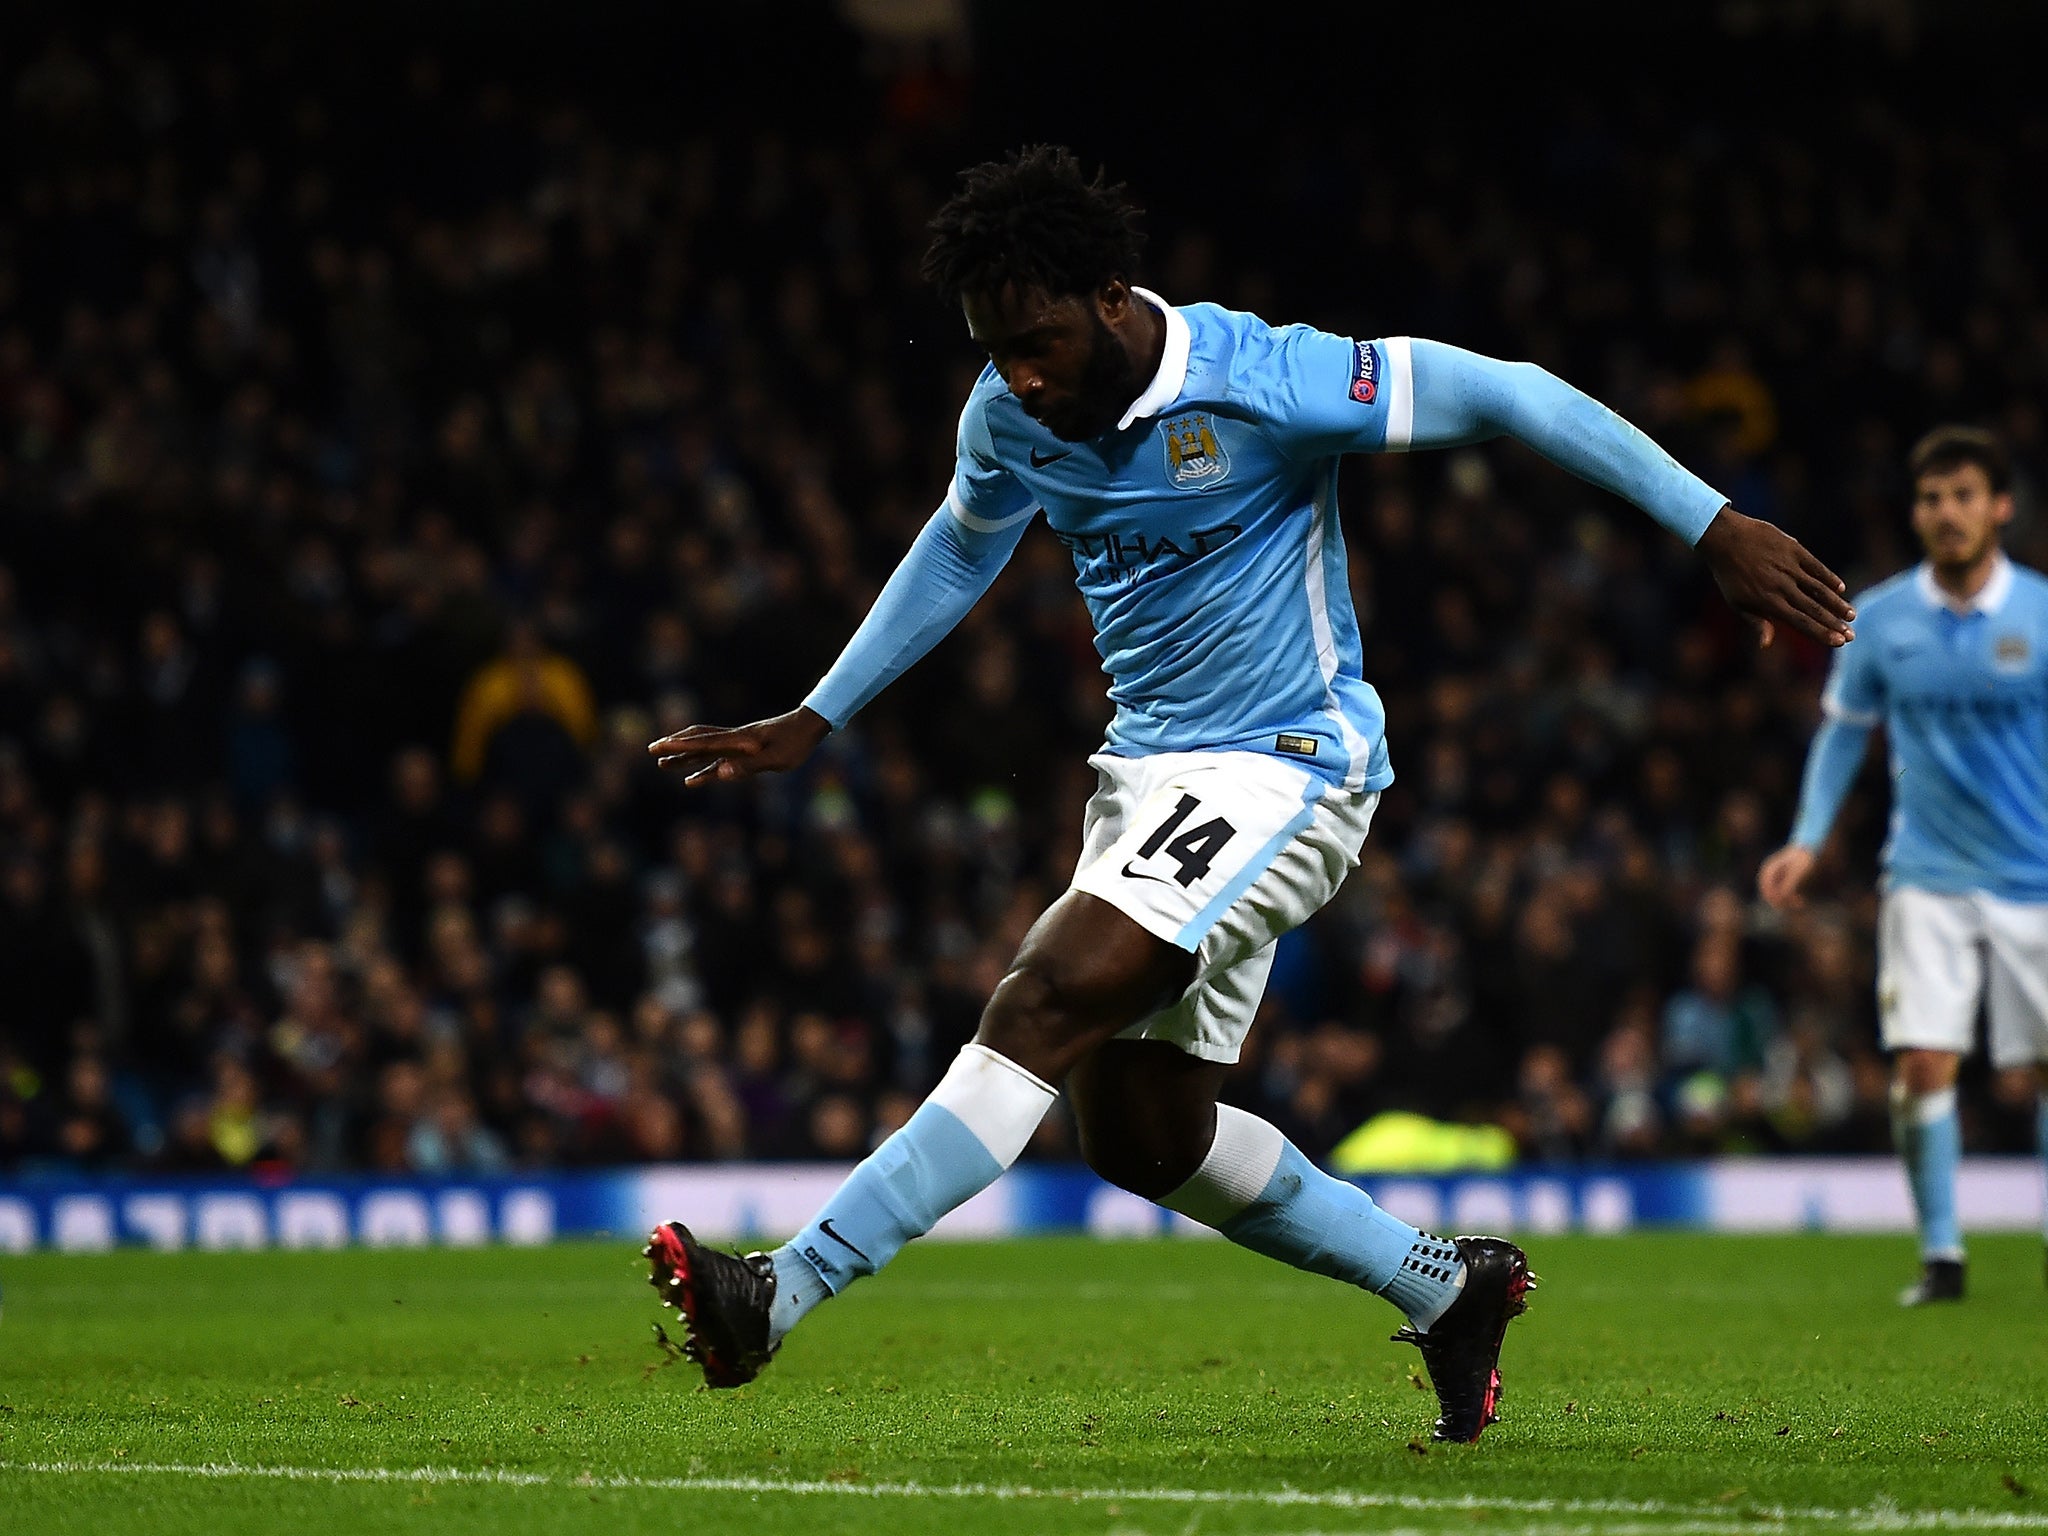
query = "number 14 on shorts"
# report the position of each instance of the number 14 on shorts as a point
(1181, 841)
(1193, 850)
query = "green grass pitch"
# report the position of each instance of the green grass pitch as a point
(1659, 1383)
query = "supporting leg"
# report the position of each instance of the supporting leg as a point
(1928, 1134)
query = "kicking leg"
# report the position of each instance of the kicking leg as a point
(1928, 1134)
(1084, 972)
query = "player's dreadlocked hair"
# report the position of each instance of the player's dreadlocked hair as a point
(1034, 219)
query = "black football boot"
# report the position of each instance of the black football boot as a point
(1461, 1351)
(723, 1300)
(1940, 1280)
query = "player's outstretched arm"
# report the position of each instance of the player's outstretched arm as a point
(944, 575)
(702, 753)
(1765, 574)
(1831, 767)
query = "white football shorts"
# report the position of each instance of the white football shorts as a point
(1219, 853)
(1939, 954)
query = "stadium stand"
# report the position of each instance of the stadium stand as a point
(390, 449)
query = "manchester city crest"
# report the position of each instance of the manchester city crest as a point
(1195, 460)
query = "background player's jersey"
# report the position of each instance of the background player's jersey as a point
(1963, 698)
(1205, 535)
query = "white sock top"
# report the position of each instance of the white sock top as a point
(1240, 1164)
(1925, 1108)
(995, 1098)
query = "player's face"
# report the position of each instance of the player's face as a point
(1957, 515)
(1062, 357)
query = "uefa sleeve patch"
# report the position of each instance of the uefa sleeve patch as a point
(1365, 372)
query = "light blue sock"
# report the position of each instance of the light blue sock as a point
(956, 1145)
(1929, 1136)
(798, 1288)
(1260, 1191)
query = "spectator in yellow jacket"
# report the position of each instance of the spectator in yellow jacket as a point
(525, 687)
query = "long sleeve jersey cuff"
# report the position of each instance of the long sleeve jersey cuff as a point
(1831, 767)
(939, 579)
(1461, 397)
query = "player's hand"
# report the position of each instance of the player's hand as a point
(1782, 875)
(1768, 577)
(721, 754)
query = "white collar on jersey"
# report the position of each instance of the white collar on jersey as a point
(1989, 599)
(1166, 384)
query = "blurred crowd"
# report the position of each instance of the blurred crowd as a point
(375, 485)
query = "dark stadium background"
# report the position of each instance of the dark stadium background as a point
(408, 412)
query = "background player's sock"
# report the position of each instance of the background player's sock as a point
(1929, 1137)
(1258, 1190)
(2041, 1141)
(970, 1129)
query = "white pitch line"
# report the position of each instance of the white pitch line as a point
(1724, 1527)
(1883, 1515)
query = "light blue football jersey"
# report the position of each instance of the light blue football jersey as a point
(1963, 698)
(1205, 536)
(1204, 528)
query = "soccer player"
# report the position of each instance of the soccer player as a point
(1954, 664)
(1187, 457)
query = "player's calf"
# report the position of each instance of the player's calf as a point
(1145, 1111)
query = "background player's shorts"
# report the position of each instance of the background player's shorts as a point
(1937, 954)
(1219, 853)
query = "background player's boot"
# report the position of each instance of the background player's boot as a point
(1940, 1280)
(1461, 1351)
(724, 1301)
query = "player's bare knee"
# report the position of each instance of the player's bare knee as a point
(1060, 1001)
(1042, 1019)
(1920, 1072)
(1143, 1164)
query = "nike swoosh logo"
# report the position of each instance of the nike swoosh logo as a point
(1139, 874)
(826, 1228)
(1050, 458)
